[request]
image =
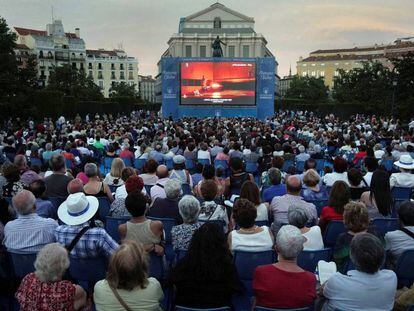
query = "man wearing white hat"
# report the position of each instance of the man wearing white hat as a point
(76, 212)
(404, 178)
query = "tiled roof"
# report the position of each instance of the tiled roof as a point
(26, 31)
(369, 48)
(22, 46)
(352, 57)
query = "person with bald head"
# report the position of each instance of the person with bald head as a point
(157, 191)
(29, 232)
(75, 186)
(280, 205)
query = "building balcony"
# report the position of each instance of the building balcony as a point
(78, 58)
(62, 58)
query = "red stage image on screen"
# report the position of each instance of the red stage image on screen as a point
(218, 83)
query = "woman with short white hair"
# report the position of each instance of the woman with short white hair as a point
(44, 289)
(95, 186)
(284, 284)
(189, 209)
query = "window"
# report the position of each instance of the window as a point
(90, 74)
(304, 74)
(121, 75)
(81, 66)
(232, 51)
(101, 86)
(73, 65)
(188, 51)
(73, 55)
(113, 75)
(99, 65)
(304, 65)
(336, 73)
(313, 74)
(203, 51)
(49, 54)
(121, 67)
(41, 54)
(100, 75)
(322, 73)
(323, 64)
(313, 65)
(130, 67)
(130, 75)
(112, 66)
(42, 74)
(90, 66)
(246, 51)
(217, 22)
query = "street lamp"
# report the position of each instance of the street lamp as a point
(394, 85)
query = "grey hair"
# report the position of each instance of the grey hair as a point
(298, 217)
(172, 189)
(49, 147)
(91, 169)
(51, 263)
(275, 176)
(24, 202)
(289, 242)
(367, 253)
(189, 208)
(301, 149)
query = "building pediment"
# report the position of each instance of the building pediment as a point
(218, 10)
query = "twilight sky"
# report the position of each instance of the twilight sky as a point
(292, 28)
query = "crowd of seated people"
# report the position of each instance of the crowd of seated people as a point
(229, 186)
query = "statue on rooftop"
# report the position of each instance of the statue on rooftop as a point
(216, 46)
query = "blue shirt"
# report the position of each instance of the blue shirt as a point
(94, 243)
(45, 209)
(29, 233)
(273, 191)
(310, 195)
(361, 291)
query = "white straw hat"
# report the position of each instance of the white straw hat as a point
(405, 162)
(78, 209)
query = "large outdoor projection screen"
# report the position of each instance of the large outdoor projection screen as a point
(218, 83)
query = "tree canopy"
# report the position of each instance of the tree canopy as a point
(309, 89)
(123, 89)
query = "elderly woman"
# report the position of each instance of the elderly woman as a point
(95, 186)
(338, 198)
(356, 220)
(284, 284)
(44, 289)
(127, 285)
(299, 217)
(249, 237)
(367, 287)
(139, 228)
(210, 210)
(206, 277)
(179, 172)
(113, 178)
(313, 190)
(189, 208)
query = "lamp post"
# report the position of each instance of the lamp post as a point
(394, 87)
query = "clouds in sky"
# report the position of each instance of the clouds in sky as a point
(292, 28)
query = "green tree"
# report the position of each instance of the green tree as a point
(28, 74)
(123, 89)
(74, 83)
(403, 75)
(369, 85)
(8, 63)
(309, 89)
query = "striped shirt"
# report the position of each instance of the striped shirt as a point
(94, 242)
(29, 233)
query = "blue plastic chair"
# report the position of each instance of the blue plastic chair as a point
(252, 168)
(246, 263)
(156, 266)
(127, 162)
(308, 260)
(23, 264)
(169, 163)
(287, 165)
(219, 222)
(180, 308)
(107, 161)
(320, 165)
(180, 254)
(167, 223)
(333, 230)
(273, 309)
(203, 161)
(69, 164)
(104, 207)
(186, 189)
(189, 164)
(319, 204)
(36, 162)
(384, 225)
(404, 268)
(400, 194)
(388, 165)
(300, 166)
(139, 163)
(223, 164)
(88, 271)
(112, 224)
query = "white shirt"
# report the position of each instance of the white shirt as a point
(203, 154)
(361, 291)
(121, 193)
(330, 178)
(314, 239)
(367, 178)
(262, 213)
(256, 242)
(379, 154)
(402, 180)
(157, 191)
(397, 241)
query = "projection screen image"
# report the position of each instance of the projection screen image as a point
(218, 83)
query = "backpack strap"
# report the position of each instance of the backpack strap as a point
(407, 232)
(72, 244)
(159, 185)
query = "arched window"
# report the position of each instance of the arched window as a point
(217, 22)
(49, 54)
(41, 54)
